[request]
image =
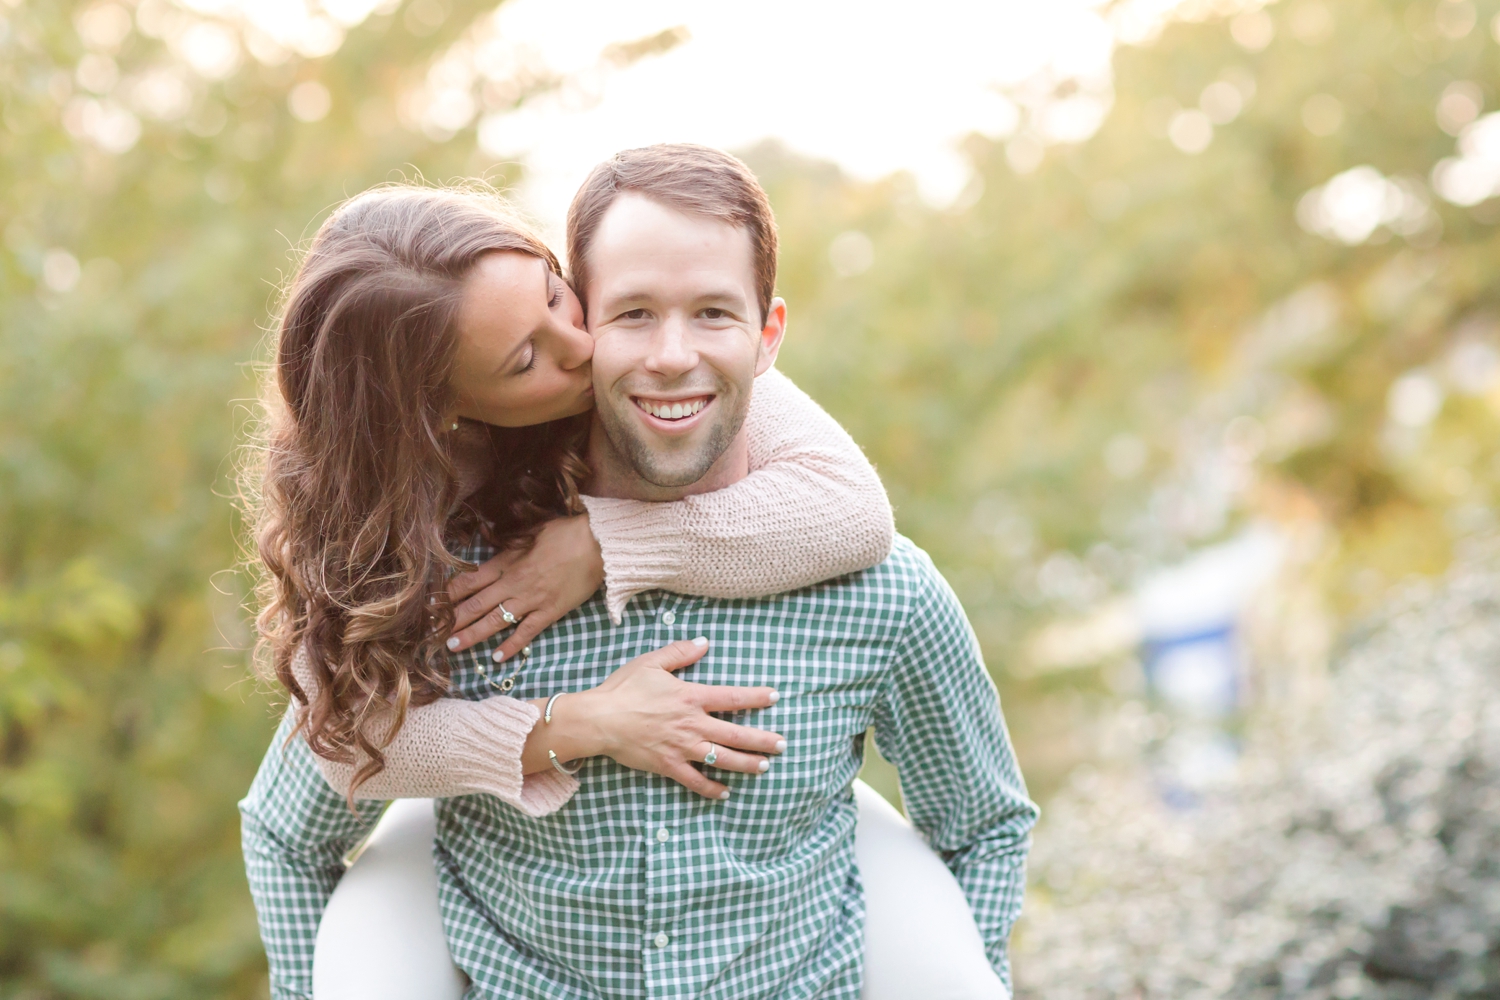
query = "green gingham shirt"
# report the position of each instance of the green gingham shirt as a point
(639, 888)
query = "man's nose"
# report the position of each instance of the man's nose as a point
(672, 351)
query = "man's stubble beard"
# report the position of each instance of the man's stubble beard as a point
(672, 470)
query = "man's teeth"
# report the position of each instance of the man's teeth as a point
(672, 411)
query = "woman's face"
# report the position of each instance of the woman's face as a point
(523, 351)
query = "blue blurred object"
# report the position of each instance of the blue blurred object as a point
(1194, 661)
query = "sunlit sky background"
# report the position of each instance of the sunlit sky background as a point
(874, 86)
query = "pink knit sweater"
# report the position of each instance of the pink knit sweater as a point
(811, 509)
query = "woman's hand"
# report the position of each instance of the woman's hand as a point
(649, 720)
(537, 586)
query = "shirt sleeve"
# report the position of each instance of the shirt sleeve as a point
(812, 508)
(939, 722)
(452, 747)
(295, 831)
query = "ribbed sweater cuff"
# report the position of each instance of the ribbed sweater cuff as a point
(486, 748)
(642, 547)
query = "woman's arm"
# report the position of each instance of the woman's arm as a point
(642, 716)
(450, 747)
(811, 509)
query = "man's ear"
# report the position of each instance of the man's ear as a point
(771, 336)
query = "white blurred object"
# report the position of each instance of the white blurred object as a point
(381, 937)
(1208, 591)
(1353, 204)
(1473, 365)
(851, 253)
(1474, 174)
(309, 101)
(1222, 102)
(60, 270)
(1190, 131)
(1414, 399)
(1461, 102)
(1200, 758)
(920, 938)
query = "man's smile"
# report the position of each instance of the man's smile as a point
(675, 413)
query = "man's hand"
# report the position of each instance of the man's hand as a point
(536, 586)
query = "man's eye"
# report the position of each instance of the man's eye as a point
(634, 314)
(715, 314)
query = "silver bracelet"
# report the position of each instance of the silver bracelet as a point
(552, 754)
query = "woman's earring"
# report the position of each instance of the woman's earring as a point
(455, 426)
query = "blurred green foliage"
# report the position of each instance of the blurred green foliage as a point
(128, 723)
(1057, 377)
(1130, 298)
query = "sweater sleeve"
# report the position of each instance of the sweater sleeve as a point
(452, 747)
(811, 509)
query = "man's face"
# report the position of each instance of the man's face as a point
(678, 337)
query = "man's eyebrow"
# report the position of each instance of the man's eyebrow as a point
(732, 296)
(726, 296)
(615, 299)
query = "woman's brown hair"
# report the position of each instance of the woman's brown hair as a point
(358, 500)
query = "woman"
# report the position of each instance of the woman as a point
(421, 400)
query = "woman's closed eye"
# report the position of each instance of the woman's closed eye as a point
(530, 360)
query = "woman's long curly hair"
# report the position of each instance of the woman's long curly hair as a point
(355, 499)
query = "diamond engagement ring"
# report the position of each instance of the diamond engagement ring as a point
(712, 756)
(507, 617)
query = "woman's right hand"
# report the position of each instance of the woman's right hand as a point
(648, 720)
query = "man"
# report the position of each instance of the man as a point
(637, 887)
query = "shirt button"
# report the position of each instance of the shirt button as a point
(668, 618)
(663, 835)
(660, 941)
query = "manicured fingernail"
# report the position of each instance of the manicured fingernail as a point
(724, 795)
(765, 766)
(700, 641)
(781, 746)
(497, 654)
(453, 642)
(775, 697)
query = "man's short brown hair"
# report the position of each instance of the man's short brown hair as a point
(694, 180)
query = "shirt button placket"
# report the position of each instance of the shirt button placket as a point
(662, 939)
(658, 915)
(655, 937)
